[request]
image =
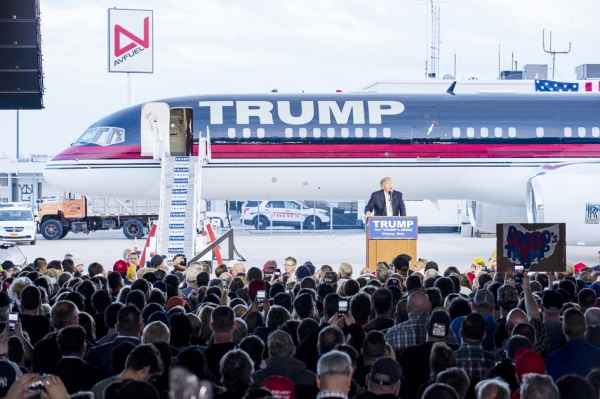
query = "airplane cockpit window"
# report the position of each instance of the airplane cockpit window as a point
(87, 136)
(102, 136)
(116, 136)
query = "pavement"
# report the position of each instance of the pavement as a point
(320, 247)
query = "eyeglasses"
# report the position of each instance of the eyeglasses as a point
(292, 265)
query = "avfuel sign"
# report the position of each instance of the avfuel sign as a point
(130, 41)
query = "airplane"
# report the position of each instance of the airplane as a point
(514, 157)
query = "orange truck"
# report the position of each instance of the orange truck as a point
(78, 214)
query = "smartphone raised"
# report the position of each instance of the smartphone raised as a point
(12, 321)
(342, 307)
(277, 273)
(260, 298)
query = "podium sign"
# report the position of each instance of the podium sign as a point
(393, 228)
(390, 236)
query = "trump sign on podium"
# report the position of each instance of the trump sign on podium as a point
(393, 228)
(535, 246)
(130, 41)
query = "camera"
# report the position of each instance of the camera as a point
(260, 298)
(342, 307)
(439, 330)
(12, 321)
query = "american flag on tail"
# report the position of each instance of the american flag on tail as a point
(551, 85)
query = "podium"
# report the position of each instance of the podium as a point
(390, 236)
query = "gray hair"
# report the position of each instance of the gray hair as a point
(334, 362)
(494, 388)
(457, 378)
(592, 316)
(535, 386)
(280, 344)
(236, 369)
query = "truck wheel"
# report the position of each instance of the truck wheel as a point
(51, 229)
(133, 228)
(64, 234)
(261, 223)
(312, 223)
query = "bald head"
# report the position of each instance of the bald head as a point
(515, 316)
(418, 304)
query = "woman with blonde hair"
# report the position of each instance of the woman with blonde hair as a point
(204, 314)
(154, 332)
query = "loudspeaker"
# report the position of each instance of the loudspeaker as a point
(21, 77)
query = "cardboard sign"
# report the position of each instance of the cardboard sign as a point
(393, 228)
(538, 247)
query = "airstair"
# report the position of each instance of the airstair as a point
(177, 219)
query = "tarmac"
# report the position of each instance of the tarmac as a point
(320, 247)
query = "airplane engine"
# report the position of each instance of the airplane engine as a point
(484, 216)
(567, 194)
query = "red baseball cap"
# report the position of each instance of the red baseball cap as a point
(280, 387)
(120, 266)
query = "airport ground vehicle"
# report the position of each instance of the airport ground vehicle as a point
(78, 214)
(17, 223)
(282, 213)
(11, 251)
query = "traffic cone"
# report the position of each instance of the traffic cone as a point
(135, 244)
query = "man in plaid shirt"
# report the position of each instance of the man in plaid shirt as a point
(414, 330)
(471, 356)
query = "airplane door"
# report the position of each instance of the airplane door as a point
(154, 130)
(427, 125)
(180, 131)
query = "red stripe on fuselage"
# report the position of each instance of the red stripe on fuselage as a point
(298, 151)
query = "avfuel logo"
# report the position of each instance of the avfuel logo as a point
(138, 44)
(130, 42)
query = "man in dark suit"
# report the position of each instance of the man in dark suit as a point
(129, 326)
(46, 352)
(386, 202)
(76, 374)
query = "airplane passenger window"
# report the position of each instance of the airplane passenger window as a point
(470, 132)
(512, 132)
(317, 132)
(289, 132)
(387, 132)
(345, 132)
(116, 136)
(484, 132)
(231, 132)
(260, 133)
(358, 132)
(581, 132)
(456, 132)
(373, 132)
(498, 132)
(595, 132)
(539, 131)
(246, 132)
(330, 132)
(568, 132)
(302, 132)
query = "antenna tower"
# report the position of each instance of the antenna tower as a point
(553, 52)
(435, 41)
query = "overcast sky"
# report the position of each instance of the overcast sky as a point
(254, 46)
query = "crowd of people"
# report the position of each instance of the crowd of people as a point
(407, 329)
